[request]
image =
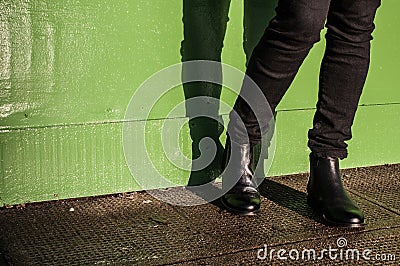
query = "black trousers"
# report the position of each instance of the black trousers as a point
(286, 42)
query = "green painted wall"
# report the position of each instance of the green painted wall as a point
(69, 68)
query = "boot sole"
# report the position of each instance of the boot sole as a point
(238, 212)
(329, 222)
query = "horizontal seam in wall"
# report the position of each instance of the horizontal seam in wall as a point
(7, 129)
(313, 108)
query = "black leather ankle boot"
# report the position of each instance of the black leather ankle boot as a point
(327, 195)
(242, 196)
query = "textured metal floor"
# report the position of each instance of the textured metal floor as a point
(138, 229)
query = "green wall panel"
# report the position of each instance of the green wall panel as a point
(69, 68)
(68, 62)
(74, 161)
(375, 139)
(62, 162)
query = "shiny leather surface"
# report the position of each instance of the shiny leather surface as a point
(242, 195)
(327, 195)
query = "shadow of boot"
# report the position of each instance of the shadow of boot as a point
(207, 150)
(288, 198)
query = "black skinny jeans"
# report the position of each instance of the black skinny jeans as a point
(285, 44)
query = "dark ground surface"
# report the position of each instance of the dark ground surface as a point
(135, 228)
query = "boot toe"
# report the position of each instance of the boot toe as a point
(346, 218)
(244, 204)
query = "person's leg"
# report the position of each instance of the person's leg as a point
(343, 72)
(273, 66)
(204, 24)
(342, 76)
(276, 60)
